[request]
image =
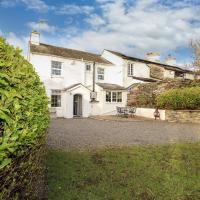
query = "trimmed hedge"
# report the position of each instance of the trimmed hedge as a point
(23, 109)
(180, 99)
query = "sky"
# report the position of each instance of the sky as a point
(132, 27)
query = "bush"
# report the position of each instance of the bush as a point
(23, 109)
(187, 98)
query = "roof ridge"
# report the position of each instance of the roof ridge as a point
(70, 49)
(145, 60)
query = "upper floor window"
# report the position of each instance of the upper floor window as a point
(130, 69)
(88, 67)
(55, 98)
(56, 68)
(100, 74)
(113, 96)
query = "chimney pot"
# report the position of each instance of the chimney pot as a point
(35, 38)
(170, 60)
(153, 56)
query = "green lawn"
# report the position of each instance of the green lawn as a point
(167, 172)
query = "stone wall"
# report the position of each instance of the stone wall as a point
(191, 116)
(156, 71)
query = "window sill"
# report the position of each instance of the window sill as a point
(57, 76)
(113, 102)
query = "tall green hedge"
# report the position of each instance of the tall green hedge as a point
(180, 99)
(23, 106)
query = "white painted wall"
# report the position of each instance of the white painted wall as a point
(69, 98)
(121, 66)
(107, 108)
(189, 76)
(149, 113)
(139, 70)
(169, 74)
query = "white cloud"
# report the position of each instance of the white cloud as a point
(41, 27)
(72, 9)
(20, 42)
(37, 5)
(95, 20)
(141, 27)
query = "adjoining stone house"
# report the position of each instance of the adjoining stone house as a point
(79, 83)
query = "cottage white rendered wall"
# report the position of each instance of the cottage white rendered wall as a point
(110, 108)
(169, 74)
(189, 76)
(117, 60)
(114, 73)
(139, 70)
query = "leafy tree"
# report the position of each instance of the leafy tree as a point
(23, 105)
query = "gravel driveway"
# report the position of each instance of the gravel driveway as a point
(90, 133)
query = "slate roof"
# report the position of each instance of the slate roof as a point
(145, 79)
(166, 66)
(67, 53)
(109, 86)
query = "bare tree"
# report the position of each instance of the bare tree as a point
(195, 45)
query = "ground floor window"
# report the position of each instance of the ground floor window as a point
(112, 96)
(55, 98)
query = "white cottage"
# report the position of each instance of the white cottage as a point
(77, 83)
(83, 84)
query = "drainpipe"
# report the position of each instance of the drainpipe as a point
(93, 94)
(94, 74)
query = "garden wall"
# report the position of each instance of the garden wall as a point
(149, 113)
(191, 116)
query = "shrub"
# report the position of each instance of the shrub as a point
(180, 99)
(23, 108)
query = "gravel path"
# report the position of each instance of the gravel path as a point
(90, 133)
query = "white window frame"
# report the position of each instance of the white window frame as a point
(56, 68)
(100, 73)
(130, 69)
(114, 97)
(55, 96)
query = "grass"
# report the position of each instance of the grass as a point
(165, 172)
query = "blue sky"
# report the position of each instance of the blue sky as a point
(134, 27)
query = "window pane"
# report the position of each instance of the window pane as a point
(114, 96)
(100, 73)
(119, 97)
(88, 67)
(130, 69)
(55, 98)
(100, 77)
(108, 96)
(56, 68)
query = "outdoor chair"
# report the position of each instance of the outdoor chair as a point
(132, 111)
(119, 111)
(122, 111)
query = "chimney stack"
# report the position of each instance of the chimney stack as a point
(35, 38)
(170, 60)
(153, 56)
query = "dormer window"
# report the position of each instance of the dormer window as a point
(56, 68)
(100, 73)
(88, 67)
(130, 69)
